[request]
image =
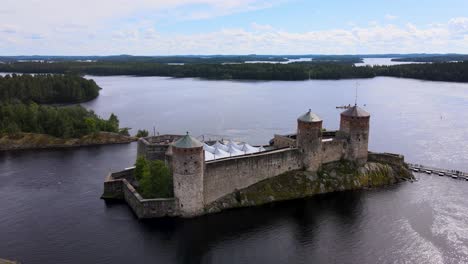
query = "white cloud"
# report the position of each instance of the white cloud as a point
(390, 17)
(261, 27)
(268, 40)
(459, 25)
(124, 26)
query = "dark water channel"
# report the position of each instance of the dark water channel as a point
(50, 211)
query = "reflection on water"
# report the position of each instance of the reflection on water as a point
(50, 211)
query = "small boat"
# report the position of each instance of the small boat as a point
(441, 174)
(466, 179)
(428, 172)
(454, 176)
(415, 169)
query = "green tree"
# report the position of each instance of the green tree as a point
(156, 181)
(91, 125)
(124, 131)
(142, 133)
(141, 165)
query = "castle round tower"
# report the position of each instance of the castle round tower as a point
(309, 139)
(188, 159)
(354, 125)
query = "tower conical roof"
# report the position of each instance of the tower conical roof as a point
(355, 111)
(188, 141)
(309, 117)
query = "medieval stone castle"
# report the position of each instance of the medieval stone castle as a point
(199, 182)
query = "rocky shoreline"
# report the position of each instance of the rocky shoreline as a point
(30, 141)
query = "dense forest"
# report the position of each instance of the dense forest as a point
(450, 72)
(63, 122)
(453, 72)
(47, 89)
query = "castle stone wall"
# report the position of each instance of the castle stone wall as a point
(280, 141)
(333, 150)
(151, 151)
(226, 176)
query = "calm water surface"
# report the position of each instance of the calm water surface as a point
(50, 211)
(382, 61)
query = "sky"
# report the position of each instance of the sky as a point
(177, 27)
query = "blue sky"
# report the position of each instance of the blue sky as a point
(159, 27)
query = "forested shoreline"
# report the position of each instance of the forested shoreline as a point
(27, 120)
(451, 72)
(47, 88)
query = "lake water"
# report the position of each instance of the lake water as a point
(382, 61)
(50, 211)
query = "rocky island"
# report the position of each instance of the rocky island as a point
(209, 177)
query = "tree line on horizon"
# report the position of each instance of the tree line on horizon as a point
(452, 72)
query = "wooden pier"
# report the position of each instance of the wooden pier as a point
(456, 174)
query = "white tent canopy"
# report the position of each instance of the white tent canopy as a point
(220, 146)
(234, 145)
(233, 151)
(219, 153)
(247, 149)
(209, 156)
(208, 148)
(219, 150)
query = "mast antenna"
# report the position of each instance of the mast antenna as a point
(355, 99)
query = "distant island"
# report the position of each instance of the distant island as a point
(440, 58)
(304, 70)
(28, 121)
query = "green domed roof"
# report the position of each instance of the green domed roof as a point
(188, 141)
(309, 117)
(355, 111)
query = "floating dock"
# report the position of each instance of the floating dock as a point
(454, 174)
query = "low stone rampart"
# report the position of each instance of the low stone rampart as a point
(228, 175)
(120, 189)
(389, 158)
(147, 208)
